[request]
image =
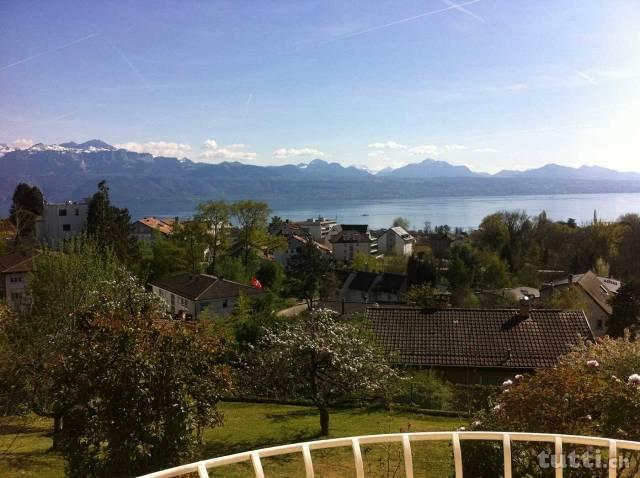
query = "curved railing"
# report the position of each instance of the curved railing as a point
(406, 439)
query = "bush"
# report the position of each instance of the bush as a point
(593, 391)
(424, 389)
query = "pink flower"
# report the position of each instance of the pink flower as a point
(635, 380)
(497, 408)
(507, 383)
(592, 364)
(477, 423)
(519, 377)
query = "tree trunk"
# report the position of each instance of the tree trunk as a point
(324, 420)
(57, 430)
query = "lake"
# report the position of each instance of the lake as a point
(466, 212)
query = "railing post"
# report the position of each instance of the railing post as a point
(457, 454)
(308, 463)
(202, 471)
(613, 459)
(408, 458)
(257, 465)
(558, 457)
(506, 451)
(357, 456)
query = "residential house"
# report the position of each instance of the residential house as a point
(61, 221)
(369, 287)
(188, 295)
(149, 227)
(295, 242)
(478, 346)
(513, 294)
(596, 293)
(14, 272)
(353, 240)
(396, 241)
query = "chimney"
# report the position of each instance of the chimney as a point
(525, 307)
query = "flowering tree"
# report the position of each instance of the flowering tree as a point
(595, 391)
(324, 360)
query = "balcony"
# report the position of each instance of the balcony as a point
(614, 447)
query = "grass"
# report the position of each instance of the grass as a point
(24, 443)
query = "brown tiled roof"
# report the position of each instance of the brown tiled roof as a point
(495, 338)
(363, 228)
(165, 226)
(21, 261)
(204, 287)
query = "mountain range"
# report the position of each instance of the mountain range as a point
(71, 170)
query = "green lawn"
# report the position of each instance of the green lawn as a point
(24, 444)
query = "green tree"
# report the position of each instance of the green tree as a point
(109, 226)
(136, 394)
(627, 262)
(270, 274)
(27, 204)
(63, 286)
(422, 295)
(252, 219)
(306, 271)
(493, 233)
(325, 360)
(167, 256)
(193, 238)
(626, 310)
(217, 216)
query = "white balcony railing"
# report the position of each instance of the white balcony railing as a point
(254, 457)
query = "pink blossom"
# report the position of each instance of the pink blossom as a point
(592, 364)
(634, 380)
(507, 383)
(519, 377)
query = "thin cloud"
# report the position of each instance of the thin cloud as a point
(157, 148)
(455, 147)
(22, 143)
(423, 150)
(585, 76)
(402, 20)
(485, 150)
(461, 8)
(46, 52)
(131, 66)
(212, 152)
(386, 145)
(283, 153)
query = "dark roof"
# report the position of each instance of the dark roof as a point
(391, 283)
(495, 338)
(352, 236)
(342, 276)
(21, 261)
(363, 228)
(204, 287)
(363, 281)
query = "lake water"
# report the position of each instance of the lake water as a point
(462, 211)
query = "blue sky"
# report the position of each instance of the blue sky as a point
(493, 84)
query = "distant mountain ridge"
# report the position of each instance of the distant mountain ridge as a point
(71, 170)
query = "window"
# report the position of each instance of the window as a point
(225, 304)
(62, 212)
(66, 227)
(77, 212)
(15, 279)
(600, 324)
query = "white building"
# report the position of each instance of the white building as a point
(189, 295)
(318, 228)
(396, 241)
(61, 221)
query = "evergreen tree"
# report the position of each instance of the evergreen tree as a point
(27, 204)
(109, 226)
(626, 310)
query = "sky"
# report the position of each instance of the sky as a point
(491, 84)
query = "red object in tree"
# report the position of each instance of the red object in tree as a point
(256, 283)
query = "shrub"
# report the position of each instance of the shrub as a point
(594, 391)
